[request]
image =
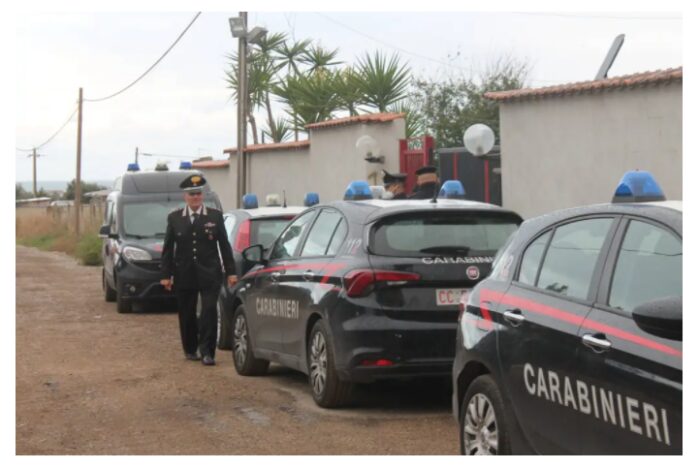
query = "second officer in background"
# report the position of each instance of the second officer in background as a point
(395, 184)
(191, 263)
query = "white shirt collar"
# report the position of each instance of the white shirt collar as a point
(187, 212)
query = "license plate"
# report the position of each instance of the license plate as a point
(450, 296)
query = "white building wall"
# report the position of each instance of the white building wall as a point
(567, 151)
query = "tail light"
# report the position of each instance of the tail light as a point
(243, 237)
(359, 282)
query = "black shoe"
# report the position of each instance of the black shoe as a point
(208, 360)
(192, 356)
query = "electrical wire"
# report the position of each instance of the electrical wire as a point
(53, 136)
(149, 68)
(605, 17)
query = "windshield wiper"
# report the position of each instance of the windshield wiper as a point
(129, 235)
(446, 249)
(159, 235)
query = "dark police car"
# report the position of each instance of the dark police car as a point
(574, 342)
(359, 290)
(245, 227)
(133, 231)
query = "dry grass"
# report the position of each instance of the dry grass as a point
(54, 229)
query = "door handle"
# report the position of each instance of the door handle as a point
(275, 276)
(308, 275)
(598, 344)
(514, 317)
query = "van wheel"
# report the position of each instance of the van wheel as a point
(326, 387)
(110, 293)
(482, 419)
(123, 305)
(243, 358)
(223, 327)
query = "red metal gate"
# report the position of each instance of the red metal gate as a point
(413, 154)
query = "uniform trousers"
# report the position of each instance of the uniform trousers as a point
(198, 333)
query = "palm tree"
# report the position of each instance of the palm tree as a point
(318, 58)
(311, 98)
(290, 56)
(383, 83)
(412, 117)
(349, 88)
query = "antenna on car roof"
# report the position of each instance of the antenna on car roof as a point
(435, 195)
(284, 196)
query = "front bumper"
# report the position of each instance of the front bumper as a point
(141, 281)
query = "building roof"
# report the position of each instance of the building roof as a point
(212, 164)
(657, 77)
(363, 119)
(263, 147)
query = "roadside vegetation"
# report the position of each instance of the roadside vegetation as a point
(52, 229)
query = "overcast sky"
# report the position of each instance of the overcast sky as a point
(183, 106)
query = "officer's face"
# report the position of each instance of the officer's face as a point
(193, 199)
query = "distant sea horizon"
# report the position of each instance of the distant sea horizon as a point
(61, 185)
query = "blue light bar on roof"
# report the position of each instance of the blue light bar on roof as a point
(358, 190)
(311, 199)
(638, 186)
(452, 189)
(133, 167)
(250, 201)
(185, 165)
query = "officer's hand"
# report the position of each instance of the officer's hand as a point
(232, 280)
(167, 283)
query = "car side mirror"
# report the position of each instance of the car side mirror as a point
(105, 232)
(254, 254)
(662, 317)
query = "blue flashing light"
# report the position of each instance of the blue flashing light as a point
(358, 190)
(133, 167)
(185, 165)
(638, 186)
(452, 189)
(311, 199)
(250, 201)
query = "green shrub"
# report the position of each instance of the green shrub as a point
(89, 249)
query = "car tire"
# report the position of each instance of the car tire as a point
(223, 337)
(241, 350)
(123, 305)
(327, 389)
(110, 293)
(482, 420)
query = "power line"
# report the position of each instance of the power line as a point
(605, 17)
(447, 64)
(54, 135)
(149, 68)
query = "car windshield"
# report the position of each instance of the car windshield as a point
(459, 234)
(148, 219)
(266, 230)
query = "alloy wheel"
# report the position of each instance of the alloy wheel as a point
(318, 363)
(240, 340)
(480, 426)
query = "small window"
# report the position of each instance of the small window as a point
(572, 256)
(532, 258)
(648, 267)
(338, 237)
(321, 233)
(286, 244)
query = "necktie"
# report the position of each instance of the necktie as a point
(195, 216)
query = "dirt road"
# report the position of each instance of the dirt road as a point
(92, 381)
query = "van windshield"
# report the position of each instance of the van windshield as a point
(148, 219)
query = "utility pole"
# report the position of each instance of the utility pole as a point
(136, 157)
(78, 194)
(242, 105)
(34, 171)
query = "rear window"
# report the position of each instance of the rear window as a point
(421, 234)
(266, 230)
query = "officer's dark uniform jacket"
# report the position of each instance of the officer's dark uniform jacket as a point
(425, 191)
(400, 196)
(191, 250)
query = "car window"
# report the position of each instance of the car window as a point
(113, 218)
(649, 266)
(427, 233)
(147, 219)
(266, 230)
(286, 244)
(321, 233)
(338, 237)
(531, 259)
(572, 255)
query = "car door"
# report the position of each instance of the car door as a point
(110, 245)
(303, 280)
(540, 316)
(274, 307)
(634, 377)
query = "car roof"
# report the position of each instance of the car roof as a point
(372, 209)
(265, 212)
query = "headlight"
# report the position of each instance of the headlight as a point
(135, 254)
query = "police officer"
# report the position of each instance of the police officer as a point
(395, 185)
(427, 183)
(191, 263)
